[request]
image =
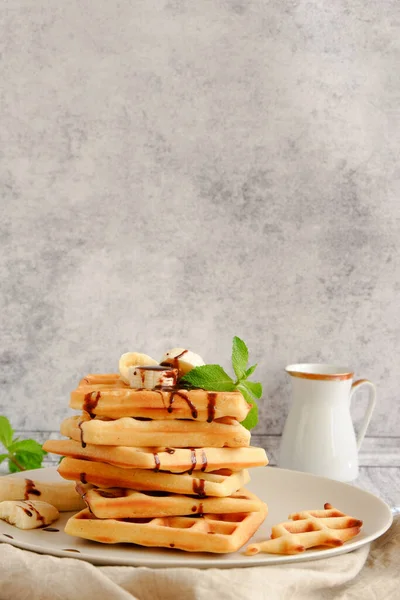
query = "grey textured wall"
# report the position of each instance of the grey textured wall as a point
(176, 173)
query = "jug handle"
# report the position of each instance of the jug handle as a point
(371, 405)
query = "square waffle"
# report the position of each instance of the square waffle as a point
(133, 432)
(208, 533)
(107, 395)
(175, 460)
(123, 503)
(107, 476)
(309, 529)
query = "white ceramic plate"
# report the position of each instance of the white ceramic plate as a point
(284, 491)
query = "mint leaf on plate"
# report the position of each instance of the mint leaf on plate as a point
(29, 446)
(26, 460)
(3, 457)
(21, 454)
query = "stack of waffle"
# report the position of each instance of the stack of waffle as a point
(160, 467)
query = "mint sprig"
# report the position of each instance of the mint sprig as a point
(214, 378)
(21, 454)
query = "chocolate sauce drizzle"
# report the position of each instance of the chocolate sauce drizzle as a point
(193, 460)
(30, 513)
(212, 398)
(190, 404)
(9, 536)
(156, 462)
(198, 487)
(90, 402)
(198, 509)
(82, 477)
(30, 489)
(170, 450)
(174, 361)
(204, 462)
(50, 529)
(83, 444)
(71, 550)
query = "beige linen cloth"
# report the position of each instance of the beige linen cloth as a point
(368, 573)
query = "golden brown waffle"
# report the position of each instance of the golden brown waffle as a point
(177, 433)
(119, 503)
(61, 494)
(104, 475)
(309, 529)
(176, 460)
(107, 395)
(209, 533)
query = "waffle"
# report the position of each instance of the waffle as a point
(208, 533)
(120, 503)
(132, 432)
(309, 529)
(175, 460)
(107, 395)
(62, 494)
(107, 476)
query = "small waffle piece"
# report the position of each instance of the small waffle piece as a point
(107, 395)
(309, 529)
(60, 494)
(120, 503)
(103, 475)
(207, 533)
(176, 460)
(133, 432)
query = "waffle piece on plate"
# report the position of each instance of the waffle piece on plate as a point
(309, 529)
(109, 396)
(133, 432)
(208, 533)
(199, 484)
(122, 503)
(176, 460)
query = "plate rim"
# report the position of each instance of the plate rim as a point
(188, 560)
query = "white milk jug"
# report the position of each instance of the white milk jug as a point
(319, 436)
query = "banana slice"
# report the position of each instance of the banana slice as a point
(133, 359)
(183, 360)
(152, 377)
(28, 514)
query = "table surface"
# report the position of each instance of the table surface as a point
(384, 482)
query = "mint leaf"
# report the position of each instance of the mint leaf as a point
(3, 457)
(26, 460)
(240, 357)
(254, 388)
(6, 432)
(30, 446)
(250, 370)
(209, 377)
(252, 417)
